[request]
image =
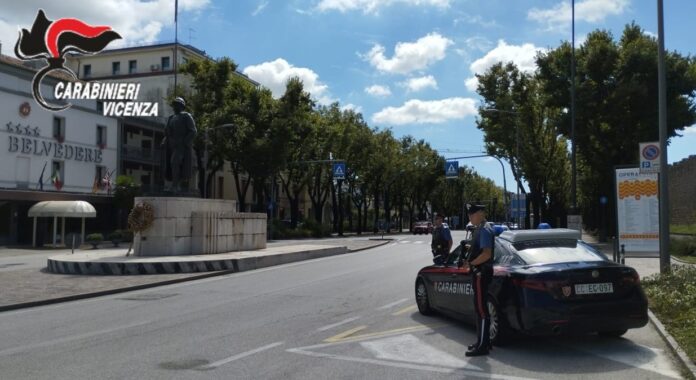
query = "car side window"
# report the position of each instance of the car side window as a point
(503, 256)
(453, 257)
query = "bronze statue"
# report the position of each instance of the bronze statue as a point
(178, 147)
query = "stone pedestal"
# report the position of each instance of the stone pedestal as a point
(193, 226)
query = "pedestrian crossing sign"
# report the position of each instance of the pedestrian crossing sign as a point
(452, 169)
(339, 170)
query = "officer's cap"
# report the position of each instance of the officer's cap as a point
(474, 208)
(179, 100)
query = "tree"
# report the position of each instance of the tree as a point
(616, 104)
(520, 126)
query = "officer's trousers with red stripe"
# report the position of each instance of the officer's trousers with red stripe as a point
(481, 281)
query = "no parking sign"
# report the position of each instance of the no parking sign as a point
(649, 157)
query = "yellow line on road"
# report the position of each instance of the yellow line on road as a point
(405, 310)
(348, 336)
(343, 335)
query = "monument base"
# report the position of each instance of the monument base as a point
(194, 226)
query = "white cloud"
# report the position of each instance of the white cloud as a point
(475, 20)
(260, 8)
(377, 90)
(420, 83)
(275, 75)
(137, 21)
(410, 56)
(478, 43)
(592, 11)
(373, 6)
(351, 106)
(690, 130)
(417, 111)
(523, 56)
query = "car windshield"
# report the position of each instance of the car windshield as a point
(556, 251)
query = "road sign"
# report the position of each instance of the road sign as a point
(339, 170)
(452, 169)
(649, 157)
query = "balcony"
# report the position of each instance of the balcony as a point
(134, 153)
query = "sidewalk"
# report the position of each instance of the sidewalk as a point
(33, 286)
(645, 266)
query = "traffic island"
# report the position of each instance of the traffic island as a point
(94, 263)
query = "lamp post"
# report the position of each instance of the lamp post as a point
(205, 156)
(664, 169)
(386, 199)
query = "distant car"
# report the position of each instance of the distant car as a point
(422, 227)
(545, 282)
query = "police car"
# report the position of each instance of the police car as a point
(545, 282)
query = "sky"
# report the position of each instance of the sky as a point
(408, 65)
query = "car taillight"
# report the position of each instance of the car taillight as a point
(631, 278)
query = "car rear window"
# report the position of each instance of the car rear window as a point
(556, 251)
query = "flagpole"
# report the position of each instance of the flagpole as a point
(176, 40)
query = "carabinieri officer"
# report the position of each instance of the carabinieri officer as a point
(480, 262)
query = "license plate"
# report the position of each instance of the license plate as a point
(601, 288)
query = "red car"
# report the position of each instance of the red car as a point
(422, 227)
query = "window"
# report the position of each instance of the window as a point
(221, 188)
(165, 63)
(87, 71)
(100, 106)
(132, 66)
(101, 136)
(115, 68)
(556, 251)
(59, 128)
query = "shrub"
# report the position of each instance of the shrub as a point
(94, 239)
(683, 247)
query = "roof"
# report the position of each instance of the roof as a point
(548, 234)
(32, 67)
(63, 209)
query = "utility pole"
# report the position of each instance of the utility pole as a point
(664, 169)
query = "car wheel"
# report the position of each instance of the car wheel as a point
(422, 299)
(499, 331)
(613, 334)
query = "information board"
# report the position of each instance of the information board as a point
(637, 208)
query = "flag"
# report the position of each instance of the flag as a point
(55, 179)
(95, 184)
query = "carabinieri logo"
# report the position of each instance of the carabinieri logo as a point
(51, 40)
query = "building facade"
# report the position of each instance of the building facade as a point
(48, 155)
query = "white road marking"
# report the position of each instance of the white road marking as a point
(404, 241)
(387, 306)
(419, 242)
(408, 348)
(633, 355)
(328, 327)
(240, 356)
(421, 367)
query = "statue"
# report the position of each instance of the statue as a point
(177, 147)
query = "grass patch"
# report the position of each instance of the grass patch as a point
(672, 297)
(689, 229)
(684, 249)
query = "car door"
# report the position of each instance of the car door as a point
(454, 289)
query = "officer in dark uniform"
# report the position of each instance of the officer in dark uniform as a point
(480, 262)
(442, 241)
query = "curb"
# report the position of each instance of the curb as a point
(81, 296)
(680, 261)
(386, 241)
(673, 345)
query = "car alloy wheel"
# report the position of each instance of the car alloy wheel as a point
(422, 298)
(495, 321)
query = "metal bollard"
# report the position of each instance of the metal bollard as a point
(615, 248)
(72, 251)
(623, 254)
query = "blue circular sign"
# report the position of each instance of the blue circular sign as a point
(651, 152)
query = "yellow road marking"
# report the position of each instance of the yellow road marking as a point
(348, 336)
(405, 310)
(343, 335)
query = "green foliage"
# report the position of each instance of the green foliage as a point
(116, 235)
(682, 247)
(125, 192)
(672, 296)
(686, 229)
(616, 97)
(94, 238)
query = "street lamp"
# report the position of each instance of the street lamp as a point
(205, 155)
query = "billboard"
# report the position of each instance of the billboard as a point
(637, 210)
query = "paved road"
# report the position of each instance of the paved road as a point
(350, 316)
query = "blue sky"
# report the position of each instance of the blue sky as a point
(405, 64)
